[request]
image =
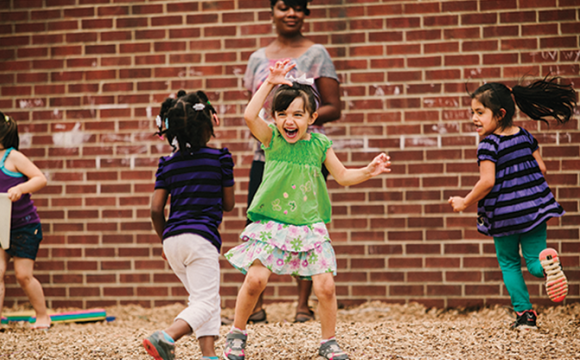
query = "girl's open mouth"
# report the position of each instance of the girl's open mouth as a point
(291, 133)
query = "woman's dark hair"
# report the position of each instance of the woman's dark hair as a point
(285, 94)
(541, 99)
(188, 119)
(293, 4)
(8, 132)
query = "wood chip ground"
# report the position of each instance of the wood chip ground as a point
(371, 331)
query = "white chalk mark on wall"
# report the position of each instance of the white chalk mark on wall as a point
(72, 138)
(31, 103)
(25, 140)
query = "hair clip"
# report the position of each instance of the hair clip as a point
(198, 107)
(166, 123)
(7, 118)
(158, 121)
(175, 143)
(301, 80)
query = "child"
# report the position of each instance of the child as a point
(514, 199)
(200, 181)
(288, 234)
(19, 177)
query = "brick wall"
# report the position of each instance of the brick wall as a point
(84, 78)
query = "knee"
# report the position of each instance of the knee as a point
(326, 291)
(23, 279)
(255, 284)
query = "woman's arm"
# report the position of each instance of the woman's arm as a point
(480, 190)
(36, 179)
(229, 198)
(259, 127)
(330, 107)
(347, 177)
(158, 202)
(538, 157)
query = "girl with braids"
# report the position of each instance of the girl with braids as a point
(200, 181)
(514, 200)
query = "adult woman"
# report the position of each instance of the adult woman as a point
(313, 61)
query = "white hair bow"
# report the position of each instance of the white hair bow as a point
(198, 107)
(301, 80)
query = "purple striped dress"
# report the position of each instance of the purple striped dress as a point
(196, 184)
(23, 210)
(521, 198)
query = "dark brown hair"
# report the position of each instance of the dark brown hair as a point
(539, 100)
(8, 132)
(192, 128)
(285, 94)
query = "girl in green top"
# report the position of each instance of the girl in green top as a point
(288, 234)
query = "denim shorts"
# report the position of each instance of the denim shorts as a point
(24, 241)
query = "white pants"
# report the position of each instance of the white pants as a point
(195, 261)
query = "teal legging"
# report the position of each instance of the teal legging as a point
(508, 256)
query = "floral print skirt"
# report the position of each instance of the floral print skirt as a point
(300, 251)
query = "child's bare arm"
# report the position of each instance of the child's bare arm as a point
(259, 127)
(347, 177)
(229, 198)
(158, 202)
(540, 161)
(36, 179)
(480, 190)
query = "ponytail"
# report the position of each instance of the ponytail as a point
(186, 122)
(546, 98)
(8, 132)
(541, 99)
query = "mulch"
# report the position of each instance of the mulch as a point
(371, 331)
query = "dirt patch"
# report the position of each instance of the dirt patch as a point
(371, 331)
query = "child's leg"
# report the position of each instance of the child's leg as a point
(255, 282)
(196, 262)
(23, 270)
(4, 258)
(533, 243)
(325, 291)
(508, 256)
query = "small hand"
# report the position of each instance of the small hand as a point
(457, 203)
(380, 164)
(14, 193)
(278, 73)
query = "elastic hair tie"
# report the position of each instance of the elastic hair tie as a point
(208, 102)
(7, 118)
(198, 107)
(509, 88)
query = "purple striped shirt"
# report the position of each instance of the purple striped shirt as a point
(520, 199)
(23, 210)
(196, 184)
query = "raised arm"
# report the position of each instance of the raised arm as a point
(347, 177)
(258, 126)
(480, 190)
(36, 179)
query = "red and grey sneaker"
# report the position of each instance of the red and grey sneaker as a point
(556, 283)
(526, 320)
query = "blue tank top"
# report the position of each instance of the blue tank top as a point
(23, 210)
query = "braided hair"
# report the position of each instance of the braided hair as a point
(186, 121)
(541, 99)
(8, 132)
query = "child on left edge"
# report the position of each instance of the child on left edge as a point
(200, 180)
(19, 177)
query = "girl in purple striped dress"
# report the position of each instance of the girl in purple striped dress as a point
(19, 177)
(200, 181)
(514, 200)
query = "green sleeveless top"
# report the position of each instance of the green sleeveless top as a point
(293, 190)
